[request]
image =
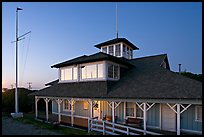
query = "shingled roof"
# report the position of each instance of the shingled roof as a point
(116, 40)
(146, 80)
(92, 58)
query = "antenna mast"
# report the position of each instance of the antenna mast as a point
(116, 20)
(17, 113)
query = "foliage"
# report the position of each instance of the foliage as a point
(193, 76)
(26, 103)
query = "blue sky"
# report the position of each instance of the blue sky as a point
(62, 31)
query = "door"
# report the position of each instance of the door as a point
(168, 118)
(96, 110)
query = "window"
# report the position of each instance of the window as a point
(129, 109)
(124, 50)
(66, 105)
(198, 113)
(86, 105)
(111, 50)
(100, 70)
(113, 71)
(128, 52)
(117, 50)
(131, 54)
(104, 49)
(90, 71)
(69, 73)
(139, 113)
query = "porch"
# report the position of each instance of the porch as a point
(76, 120)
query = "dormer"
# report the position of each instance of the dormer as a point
(119, 47)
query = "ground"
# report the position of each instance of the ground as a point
(14, 127)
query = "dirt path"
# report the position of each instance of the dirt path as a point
(12, 127)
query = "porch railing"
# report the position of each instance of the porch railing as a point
(110, 128)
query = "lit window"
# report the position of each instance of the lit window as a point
(117, 50)
(100, 70)
(104, 49)
(75, 73)
(111, 50)
(86, 105)
(62, 74)
(198, 113)
(90, 71)
(68, 74)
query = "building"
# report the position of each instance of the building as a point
(113, 83)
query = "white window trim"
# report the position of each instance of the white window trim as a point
(108, 62)
(67, 110)
(93, 79)
(196, 118)
(67, 67)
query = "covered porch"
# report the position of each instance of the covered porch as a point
(114, 111)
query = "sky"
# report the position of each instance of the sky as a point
(65, 30)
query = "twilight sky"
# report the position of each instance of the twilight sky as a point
(65, 30)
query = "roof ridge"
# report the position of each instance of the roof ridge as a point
(150, 56)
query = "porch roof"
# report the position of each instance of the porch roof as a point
(146, 80)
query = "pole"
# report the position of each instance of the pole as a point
(16, 92)
(116, 20)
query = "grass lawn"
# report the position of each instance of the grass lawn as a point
(29, 118)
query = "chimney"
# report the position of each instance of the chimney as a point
(179, 68)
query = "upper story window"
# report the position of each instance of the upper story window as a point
(124, 51)
(113, 71)
(198, 113)
(93, 71)
(104, 49)
(110, 50)
(117, 50)
(68, 73)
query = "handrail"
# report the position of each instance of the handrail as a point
(95, 124)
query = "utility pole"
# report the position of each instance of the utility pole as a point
(29, 85)
(17, 114)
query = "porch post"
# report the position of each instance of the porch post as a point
(59, 101)
(36, 107)
(113, 112)
(124, 110)
(46, 103)
(91, 109)
(178, 119)
(72, 111)
(144, 115)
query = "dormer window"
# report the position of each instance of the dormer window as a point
(113, 71)
(68, 73)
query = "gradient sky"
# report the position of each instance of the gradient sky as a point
(62, 31)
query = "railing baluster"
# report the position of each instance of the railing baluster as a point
(104, 132)
(128, 131)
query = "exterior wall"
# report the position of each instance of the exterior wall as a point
(153, 116)
(188, 121)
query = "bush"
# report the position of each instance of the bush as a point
(25, 103)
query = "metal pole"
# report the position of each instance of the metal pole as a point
(116, 20)
(16, 92)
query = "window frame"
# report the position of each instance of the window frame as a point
(114, 64)
(72, 72)
(196, 113)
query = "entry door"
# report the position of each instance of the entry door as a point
(168, 118)
(96, 110)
